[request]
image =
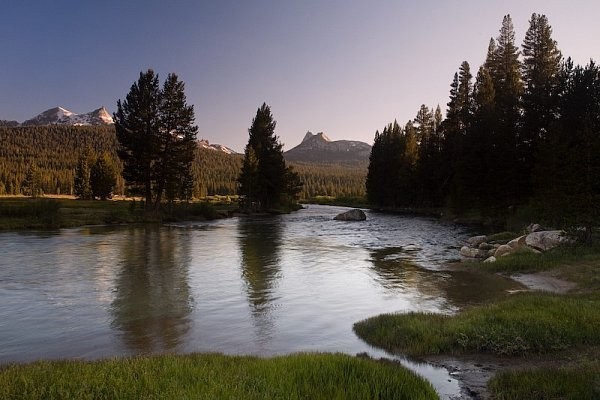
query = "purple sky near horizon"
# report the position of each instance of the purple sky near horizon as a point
(346, 68)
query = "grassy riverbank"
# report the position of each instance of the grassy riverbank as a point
(522, 325)
(213, 376)
(18, 213)
(574, 382)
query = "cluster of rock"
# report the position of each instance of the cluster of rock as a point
(536, 240)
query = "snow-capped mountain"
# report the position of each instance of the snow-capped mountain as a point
(203, 143)
(319, 148)
(62, 116)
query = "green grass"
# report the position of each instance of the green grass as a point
(213, 376)
(527, 323)
(580, 382)
(540, 325)
(26, 213)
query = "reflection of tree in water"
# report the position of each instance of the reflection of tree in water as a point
(153, 299)
(397, 272)
(259, 245)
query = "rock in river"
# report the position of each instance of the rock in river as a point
(352, 215)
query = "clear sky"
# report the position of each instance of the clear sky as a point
(345, 68)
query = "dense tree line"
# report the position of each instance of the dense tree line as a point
(525, 133)
(47, 156)
(335, 180)
(216, 172)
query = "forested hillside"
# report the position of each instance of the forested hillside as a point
(50, 155)
(217, 173)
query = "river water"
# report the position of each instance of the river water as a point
(261, 286)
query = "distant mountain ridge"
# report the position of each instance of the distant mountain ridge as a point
(319, 148)
(203, 143)
(62, 116)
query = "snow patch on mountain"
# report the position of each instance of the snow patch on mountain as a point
(62, 116)
(203, 143)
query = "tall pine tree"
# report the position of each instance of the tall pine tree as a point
(156, 139)
(506, 77)
(541, 69)
(265, 181)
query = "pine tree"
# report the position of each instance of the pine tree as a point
(33, 182)
(177, 144)
(265, 181)
(455, 127)
(103, 178)
(81, 184)
(138, 127)
(506, 77)
(541, 68)
(568, 172)
(464, 96)
(428, 153)
(375, 172)
(483, 129)
(156, 138)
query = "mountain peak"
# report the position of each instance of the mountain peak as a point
(62, 116)
(319, 148)
(319, 136)
(204, 144)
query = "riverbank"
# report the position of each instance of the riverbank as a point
(23, 213)
(214, 376)
(528, 345)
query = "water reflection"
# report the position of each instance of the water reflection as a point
(153, 298)
(259, 242)
(396, 270)
(259, 245)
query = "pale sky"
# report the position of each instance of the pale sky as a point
(346, 68)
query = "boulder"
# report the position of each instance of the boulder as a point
(476, 240)
(517, 243)
(535, 228)
(470, 252)
(504, 250)
(351, 215)
(490, 259)
(546, 240)
(485, 246)
(527, 249)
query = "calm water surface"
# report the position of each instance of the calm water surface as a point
(238, 286)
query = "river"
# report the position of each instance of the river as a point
(261, 286)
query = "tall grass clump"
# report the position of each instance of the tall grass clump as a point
(213, 376)
(42, 213)
(522, 324)
(581, 382)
